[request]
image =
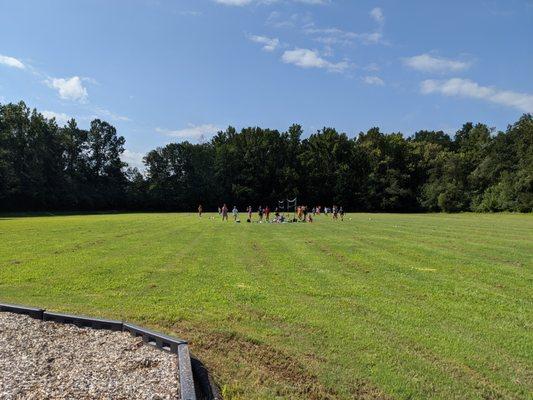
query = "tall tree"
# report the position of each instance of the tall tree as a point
(44, 166)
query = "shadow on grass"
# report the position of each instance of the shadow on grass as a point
(15, 215)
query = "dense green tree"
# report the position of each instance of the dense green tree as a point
(506, 170)
(181, 176)
(391, 164)
(47, 167)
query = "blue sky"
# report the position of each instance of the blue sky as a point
(164, 71)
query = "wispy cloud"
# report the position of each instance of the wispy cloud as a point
(377, 15)
(69, 88)
(11, 62)
(306, 58)
(240, 3)
(133, 159)
(467, 88)
(373, 80)
(269, 44)
(280, 20)
(429, 63)
(61, 118)
(192, 132)
(317, 2)
(190, 13)
(103, 113)
(337, 36)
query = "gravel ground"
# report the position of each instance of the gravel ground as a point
(47, 360)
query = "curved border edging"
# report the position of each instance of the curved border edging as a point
(167, 343)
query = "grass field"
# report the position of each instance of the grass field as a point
(378, 306)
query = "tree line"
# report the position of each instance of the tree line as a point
(44, 166)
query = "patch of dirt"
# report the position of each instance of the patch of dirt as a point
(270, 364)
(234, 359)
(79, 246)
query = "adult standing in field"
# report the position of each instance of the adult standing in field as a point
(200, 210)
(335, 213)
(267, 213)
(249, 210)
(299, 212)
(260, 213)
(225, 212)
(341, 213)
(235, 213)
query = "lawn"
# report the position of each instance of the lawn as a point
(379, 306)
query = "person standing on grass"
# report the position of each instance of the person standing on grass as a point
(267, 213)
(235, 213)
(299, 212)
(200, 209)
(225, 212)
(260, 213)
(249, 210)
(341, 213)
(335, 212)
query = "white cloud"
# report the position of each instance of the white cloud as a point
(373, 80)
(429, 63)
(318, 2)
(102, 113)
(69, 88)
(133, 159)
(372, 67)
(190, 13)
(238, 3)
(467, 88)
(280, 20)
(336, 36)
(61, 118)
(192, 132)
(332, 36)
(306, 58)
(371, 38)
(269, 44)
(11, 62)
(377, 15)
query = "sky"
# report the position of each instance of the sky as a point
(166, 71)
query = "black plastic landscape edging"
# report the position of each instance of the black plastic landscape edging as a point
(14, 308)
(83, 322)
(164, 342)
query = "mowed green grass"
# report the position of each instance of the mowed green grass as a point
(378, 306)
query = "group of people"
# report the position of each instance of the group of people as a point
(336, 211)
(262, 212)
(302, 214)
